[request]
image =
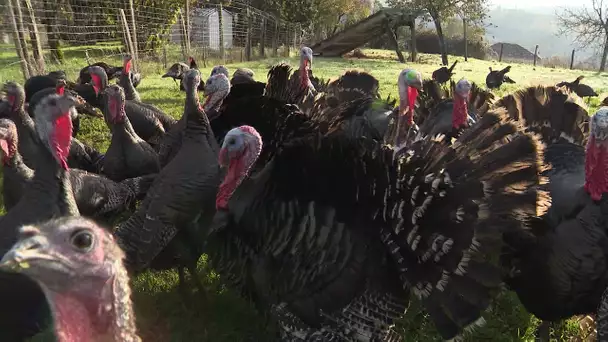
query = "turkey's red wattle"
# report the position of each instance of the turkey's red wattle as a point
(304, 74)
(79, 319)
(596, 169)
(6, 153)
(406, 107)
(61, 139)
(127, 66)
(60, 89)
(460, 111)
(236, 172)
(117, 111)
(96, 83)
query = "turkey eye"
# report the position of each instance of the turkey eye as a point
(231, 141)
(82, 239)
(53, 102)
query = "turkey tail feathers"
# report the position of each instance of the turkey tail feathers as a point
(450, 212)
(554, 113)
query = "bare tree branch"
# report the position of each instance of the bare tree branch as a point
(587, 25)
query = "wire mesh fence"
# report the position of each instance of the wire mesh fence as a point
(38, 33)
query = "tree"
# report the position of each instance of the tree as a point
(590, 25)
(438, 10)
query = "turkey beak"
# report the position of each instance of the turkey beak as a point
(24, 252)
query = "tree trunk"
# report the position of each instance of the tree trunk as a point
(442, 47)
(604, 55)
(466, 41)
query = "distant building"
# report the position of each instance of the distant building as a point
(205, 28)
(513, 52)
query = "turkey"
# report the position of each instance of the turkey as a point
(24, 310)
(556, 114)
(496, 78)
(409, 83)
(444, 74)
(149, 122)
(95, 196)
(561, 270)
(220, 69)
(37, 83)
(302, 89)
(28, 147)
(602, 318)
(80, 267)
(334, 253)
(243, 85)
(178, 70)
(125, 80)
(581, 90)
(84, 76)
(128, 155)
(450, 111)
(182, 193)
(216, 89)
(82, 106)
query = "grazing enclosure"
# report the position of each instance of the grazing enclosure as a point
(38, 33)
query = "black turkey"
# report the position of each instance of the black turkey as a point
(84, 76)
(580, 89)
(443, 74)
(496, 78)
(358, 226)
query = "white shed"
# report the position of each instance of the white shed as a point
(205, 27)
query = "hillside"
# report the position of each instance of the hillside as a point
(528, 28)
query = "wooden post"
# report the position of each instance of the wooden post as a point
(535, 54)
(466, 41)
(296, 29)
(501, 48)
(248, 36)
(185, 39)
(17, 41)
(263, 38)
(26, 52)
(135, 47)
(572, 60)
(414, 51)
(392, 35)
(125, 27)
(35, 38)
(187, 27)
(220, 15)
(165, 56)
(287, 45)
(275, 40)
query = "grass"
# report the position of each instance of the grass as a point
(226, 318)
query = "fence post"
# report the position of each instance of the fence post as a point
(501, 48)
(413, 48)
(248, 35)
(26, 52)
(275, 40)
(125, 27)
(185, 38)
(296, 28)
(35, 38)
(572, 60)
(134, 36)
(165, 56)
(263, 37)
(17, 41)
(287, 44)
(220, 15)
(187, 27)
(535, 54)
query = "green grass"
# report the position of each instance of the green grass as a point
(224, 317)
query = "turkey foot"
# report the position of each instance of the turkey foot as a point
(544, 331)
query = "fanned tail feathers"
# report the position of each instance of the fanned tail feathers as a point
(450, 209)
(554, 113)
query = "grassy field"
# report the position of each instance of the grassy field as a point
(226, 318)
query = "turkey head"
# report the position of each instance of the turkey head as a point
(15, 96)
(54, 125)
(217, 88)
(461, 97)
(596, 157)
(409, 84)
(80, 268)
(240, 150)
(115, 102)
(99, 78)
(8, 140)
(219, 69)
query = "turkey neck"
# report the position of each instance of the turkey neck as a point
(17, 167)
(104, 316)
(460, 111)
(197, 124)
(127, 85)
(123, 131)
(53, 182)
